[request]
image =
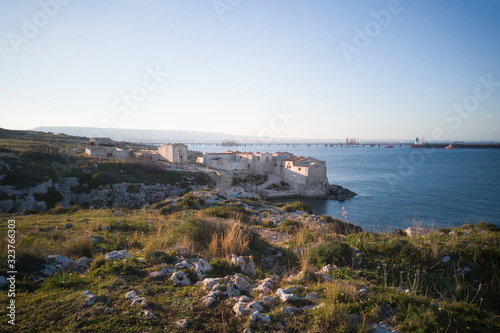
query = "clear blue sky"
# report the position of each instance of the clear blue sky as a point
(231, 68)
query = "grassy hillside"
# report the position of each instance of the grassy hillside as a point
(404, 282)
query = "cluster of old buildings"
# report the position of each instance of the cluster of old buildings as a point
(102, 148)
(297, 169)
(306, 171)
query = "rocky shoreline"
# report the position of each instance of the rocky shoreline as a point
(69, 192)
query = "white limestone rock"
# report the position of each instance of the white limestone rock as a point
(445, 260)
(241, 283)
(65, 262)
(164, 272)
(183, 323)
(415, 231)
(286, 295)
(90, 298)
(246, 264)
(328, 268)
(232, 291)
(258, 319)
(52, 269)
(254, 306)
(136, 299)
(183, 265)
(291, 310)
(82, 264)
(148, 314)
(312, 297)
(117, 255)
(208, 283)
(201, 269)
(180, 279)
(240, 309)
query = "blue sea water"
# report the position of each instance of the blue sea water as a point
(400, 187)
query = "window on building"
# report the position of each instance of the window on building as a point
(258, 158)
(316, 166)
(299, 169)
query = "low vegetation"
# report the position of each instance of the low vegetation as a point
(444, 280)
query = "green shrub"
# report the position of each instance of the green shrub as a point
(81, 247)
(170, 209)
(327, 218)
(103, 178)
(290, 226)
(486, 226)
(97, 262)
(63, 280)
(268, 224)
(297, 205)
(159, 257)
(342, 228)
(51, 198)
(228, 212)
(330, 252)
(288, 208)
(29, 261)
(191, 201)
(222, 267)
(400, 248)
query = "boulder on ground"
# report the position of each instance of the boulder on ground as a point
(180, 279)
(149, 314)
(416, 231)
(246, 264)
(201, 269)
(90, 298)
(287, 296)
(65, 262)
(258, 319)
(82, 264)
(117, 255)
(136, 299)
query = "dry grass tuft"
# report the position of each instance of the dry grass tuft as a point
(235, 239)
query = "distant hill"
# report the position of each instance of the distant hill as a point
(158, 136)
(145, 136)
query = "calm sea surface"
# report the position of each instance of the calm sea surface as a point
(400, 187)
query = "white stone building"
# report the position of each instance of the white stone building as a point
(305, 171)
(173, 152)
